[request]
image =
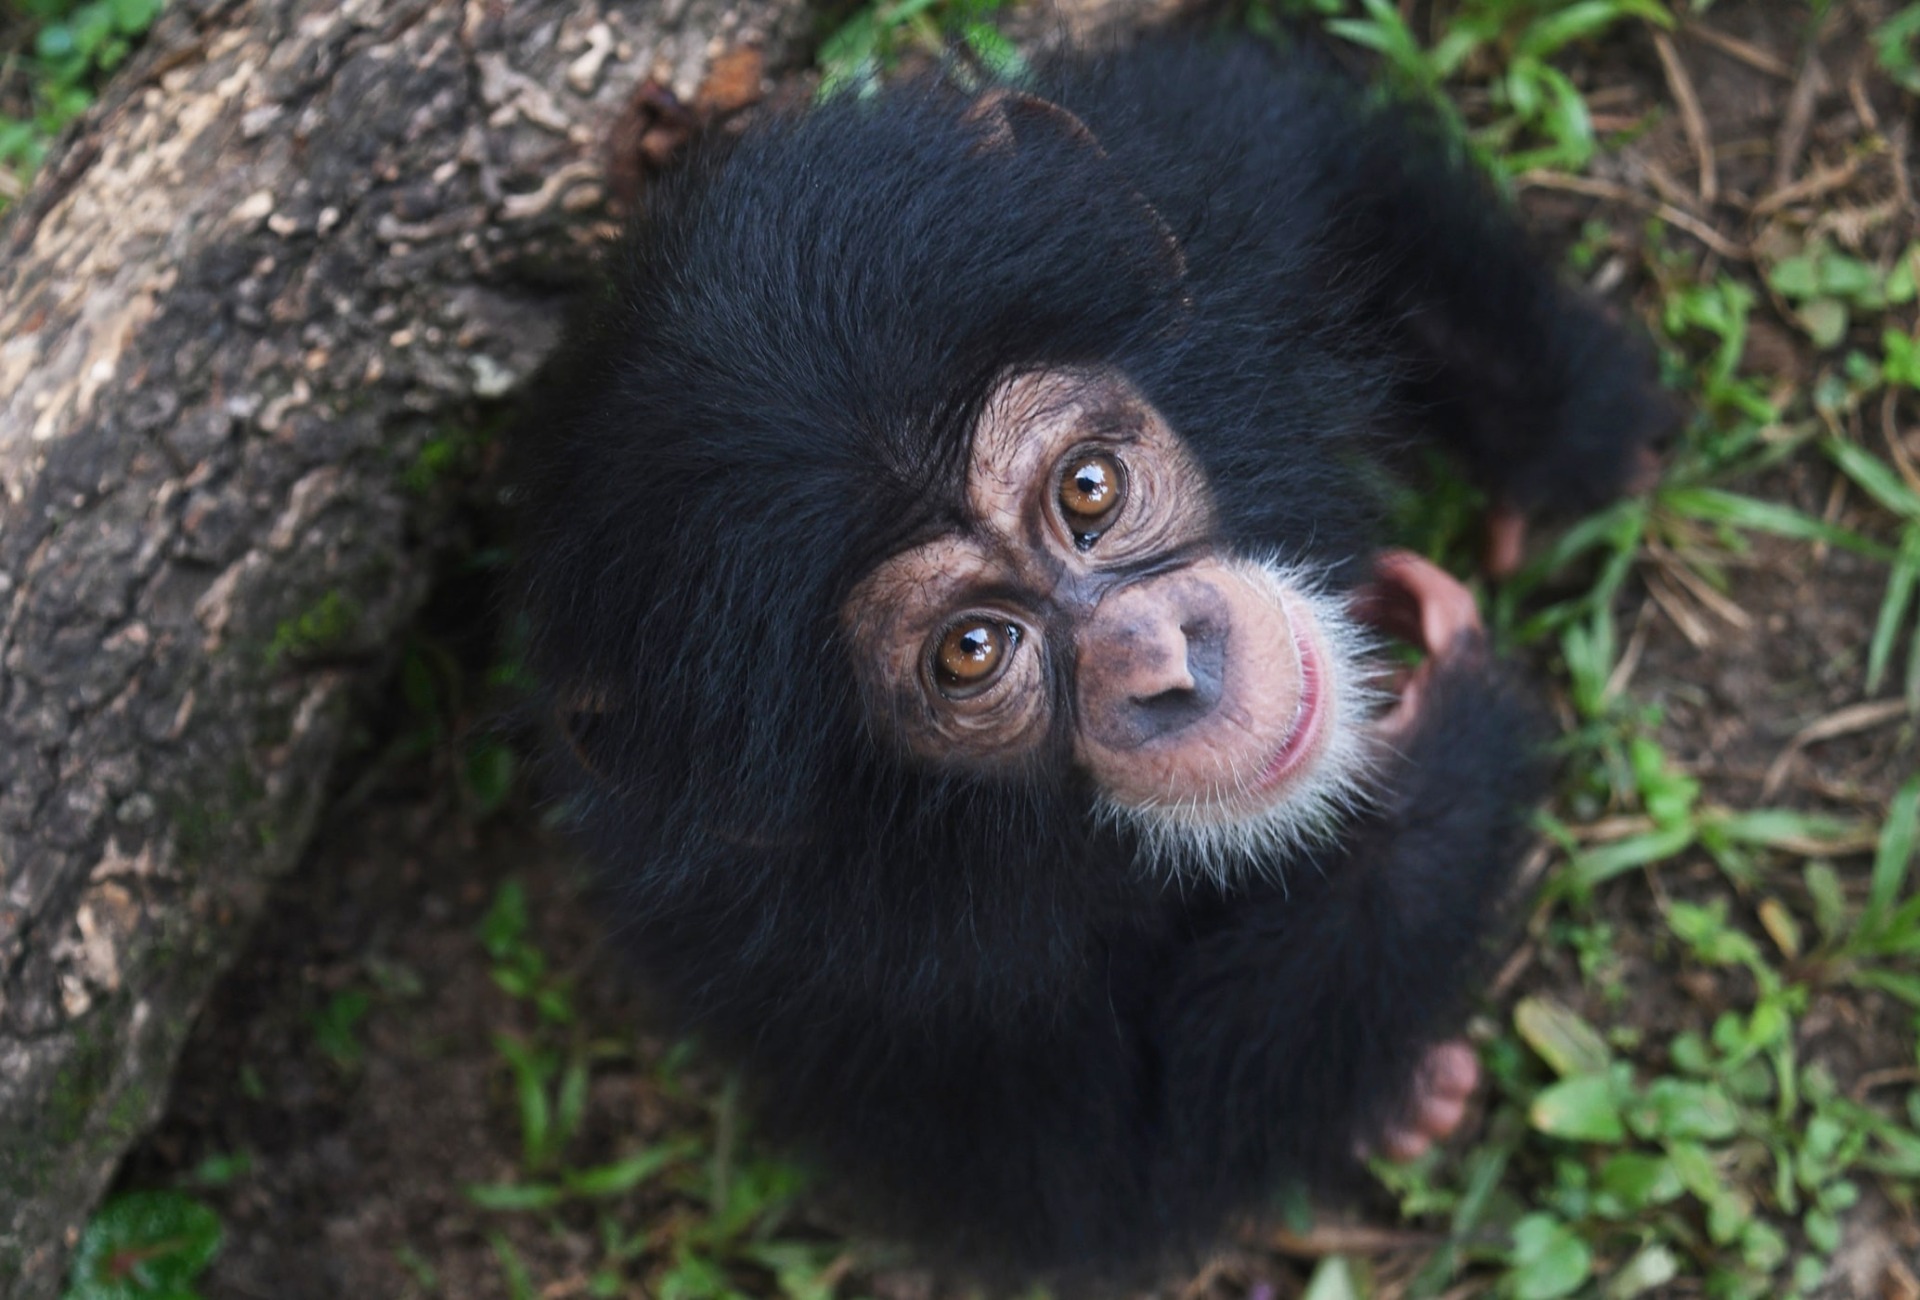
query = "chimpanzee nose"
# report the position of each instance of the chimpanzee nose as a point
(1152, 660)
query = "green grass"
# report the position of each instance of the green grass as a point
(715, 1222)
(1723, 1159)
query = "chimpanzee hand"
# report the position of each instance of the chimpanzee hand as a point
(1413, 600)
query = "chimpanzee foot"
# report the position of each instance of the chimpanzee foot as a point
(1441, 1087)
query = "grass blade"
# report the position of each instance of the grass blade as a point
(1874, 476)
(1712, 505)
(1893, 606)
(1890, 861)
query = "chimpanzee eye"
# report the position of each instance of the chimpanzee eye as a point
(1091, 490)
(971, 654)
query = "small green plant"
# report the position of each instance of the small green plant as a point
(1897, 44)
(1541, 118)
(336, 1028)
(73, 48)
(519, 967)
(723, 1233)
(324, 626)
(144, 1246)
(1828, 287)
(873, 38)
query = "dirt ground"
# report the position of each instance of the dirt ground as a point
(358, 1146)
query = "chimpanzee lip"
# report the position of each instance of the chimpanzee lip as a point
(1308, 721)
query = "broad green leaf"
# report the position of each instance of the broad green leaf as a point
(1682, 1109)
(1794, 277)
(1825, 321)
(1549, 1259)
(1585, 1108)
(1563, 1040)
(1653, 1266)
(144, 1246)
(1901, 355)
(1712, 939)
(1334, 1280)
(1849, 277)
(1637, 1179)
(1762, 1246)
(1695, 1169)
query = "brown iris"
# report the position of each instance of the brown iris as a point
(971, 654)
(1090, 491)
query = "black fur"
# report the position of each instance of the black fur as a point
(948, 987)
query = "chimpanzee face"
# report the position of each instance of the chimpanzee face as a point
(1085, 613)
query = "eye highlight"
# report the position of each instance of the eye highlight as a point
(971, 654)
(1092, 486)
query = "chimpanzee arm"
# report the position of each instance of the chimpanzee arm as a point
(1547, 401)
(1291, 1036)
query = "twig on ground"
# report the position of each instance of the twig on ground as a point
(1668, 185)
(1752, 55)
(1822, 181)
(1797, 121)
(1609, 829)
(1349, 1239)
(1510, 973)
(1844, 722)
(1675, 607)
(1714, 601)
(1872, 1079)
(1630, 659)
(1691, 118)
(1897, 141)
(1599, 189)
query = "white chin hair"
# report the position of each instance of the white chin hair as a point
(1190, 840)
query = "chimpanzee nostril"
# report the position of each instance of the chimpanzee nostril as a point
(1165, 712)
(1152, 660)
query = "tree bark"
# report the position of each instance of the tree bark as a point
(298, 246)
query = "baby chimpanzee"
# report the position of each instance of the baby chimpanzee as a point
(950, 559)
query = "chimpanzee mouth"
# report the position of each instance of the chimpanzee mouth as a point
(1317, 776)
(1309, 720)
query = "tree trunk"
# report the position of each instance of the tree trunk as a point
(284, 266)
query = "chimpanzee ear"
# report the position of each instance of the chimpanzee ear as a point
(1010, 121)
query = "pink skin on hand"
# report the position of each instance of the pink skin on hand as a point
(1441, 1087)
(1415, 601)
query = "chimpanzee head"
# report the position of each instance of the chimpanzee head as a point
(930, 493)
